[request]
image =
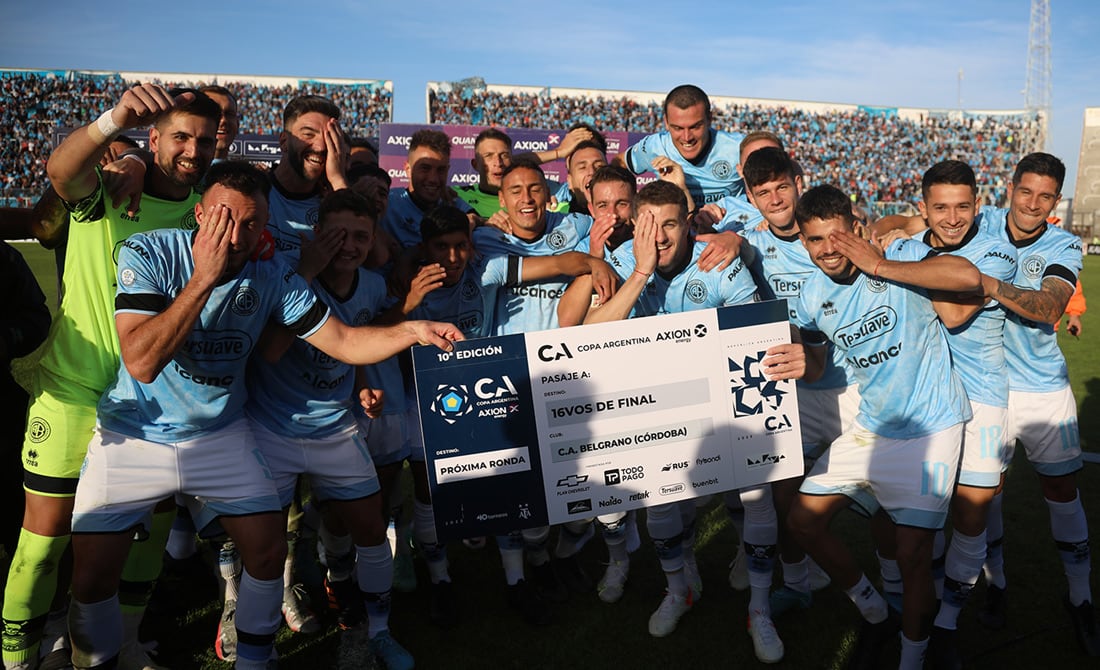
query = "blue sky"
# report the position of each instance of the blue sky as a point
(903, 53)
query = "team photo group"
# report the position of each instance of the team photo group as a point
(230, 364)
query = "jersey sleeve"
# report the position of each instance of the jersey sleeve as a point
(298, 307)
(91, 207)
(500, 270)
(1066, 262)
(639, 158)
(998, 262)
(140, 287)
(621, 260)
(739, 285)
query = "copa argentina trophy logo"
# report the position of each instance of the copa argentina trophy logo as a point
(452, 402)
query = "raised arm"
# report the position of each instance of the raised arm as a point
(942, 272)
(364, 345)
(71, 166)
(645, 256)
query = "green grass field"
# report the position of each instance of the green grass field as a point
(590, 634)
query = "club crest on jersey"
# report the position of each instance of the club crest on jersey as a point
(556, 240)
(696, 291)
(126, 277)
(246, 302)
(312, 216)
(470, 290)
(38, 431)
(722, 169)
(876, 285)
(1033, 266)
(187, 221)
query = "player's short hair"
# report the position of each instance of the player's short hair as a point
(492, 134)
(304, 104)
(598, 140)
(443, 220)
(346, 200)
(587, 144)
(200, 106)
(1042, 164)
(659, 193)
(823, 202)
(436, 140)
(523, 164)
(360, 170)
(219, 90)
(612, 174)
(240, 176)
(687, 95)
(949, 172)
(768, 164)
(756, 136)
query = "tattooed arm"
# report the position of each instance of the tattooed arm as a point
(1046, 304)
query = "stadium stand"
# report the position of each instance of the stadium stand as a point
(1086, 200)
(35, 104)
(877, 153)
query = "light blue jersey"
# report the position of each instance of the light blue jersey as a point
(291, 216)
(709, 177)
(403, 216)
(470, 302)
(202, 388)
(977, 347)
(1035, 362)
(781, 265)
(308, 393)
(534, 305)
(386, 375)
(895, 346)
(740, 214)
(688, 290)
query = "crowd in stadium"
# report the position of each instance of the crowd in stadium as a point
(885, 168)
(34, 104)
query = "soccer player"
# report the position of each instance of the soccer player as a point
(492, 154)
(948, 208)
(660, 276)
(173, 419)
(299, 410)
(736, 212)
(230, 122)
(426, 166)
(314, 161)
(781, 265)
(533, 306)
(1042, 414)
(901, 453)
(81, 356)
(707, 156)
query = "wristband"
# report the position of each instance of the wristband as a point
(875, 273)
(642, 274)
(104, 129)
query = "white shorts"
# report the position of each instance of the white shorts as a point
(911, 479)
(824, 415)
(338, 465)
(387, 438)
(1046, 426)
(985, 449)
(124, 477)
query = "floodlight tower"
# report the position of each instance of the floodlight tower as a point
(1037, 92)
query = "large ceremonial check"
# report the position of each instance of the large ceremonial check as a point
(545, 427)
